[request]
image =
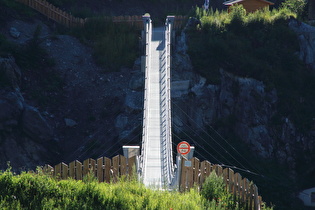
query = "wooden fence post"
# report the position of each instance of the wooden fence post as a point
(61, 171)
(256, 198)
(75, 170)
(48, 170)
(89, 166)
(195, 164)
(131, 167)
(115, 168)
(231, 181)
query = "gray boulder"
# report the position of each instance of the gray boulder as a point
(70, 122)
(132, 101)
(11, 107)
(137, 81)
(10, 74)
(34, 125)
(14, 33)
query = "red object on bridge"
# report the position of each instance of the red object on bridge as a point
(183, 148)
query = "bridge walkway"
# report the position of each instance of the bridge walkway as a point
(153, 172)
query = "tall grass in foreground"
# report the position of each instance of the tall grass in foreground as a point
(39, 191)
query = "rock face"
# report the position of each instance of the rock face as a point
(10, 74)
(34, 125)
(306, 36)
(24, 132)
(245, 107)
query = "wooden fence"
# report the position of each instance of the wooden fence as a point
(103, 168)
(54, 13)
(194, 173)
(64, 18)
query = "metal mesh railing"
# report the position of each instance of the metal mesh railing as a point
(148, 35)
(166, 134)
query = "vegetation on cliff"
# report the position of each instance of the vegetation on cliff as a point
(257, 45)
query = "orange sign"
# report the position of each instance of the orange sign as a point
(183, 148)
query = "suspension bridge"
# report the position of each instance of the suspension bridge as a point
(156, 161)
(154, 165)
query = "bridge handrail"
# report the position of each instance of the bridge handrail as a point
(168, 168)
(148, 35)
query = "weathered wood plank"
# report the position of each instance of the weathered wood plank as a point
(195, 171)
(107, 169)
(89, 166)
(132, 166)
(100, 169)
(225, 177)
(48, 170)
(72, 170)
(64, 171)
(238, 184)
(57, 173)
(246, 191)
(257, 204)
(202, 171)
(78, 170)
(123, 165)
(183, 176)
(115, 167)
(231, 181)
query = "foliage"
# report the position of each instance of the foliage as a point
(7, 8)
(296, 6)
(115, 45)
(259, 45)
(38, 191)
(213, 187)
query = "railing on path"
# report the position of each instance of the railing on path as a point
(104, 169)
(165, 92)
(148, 34)
(193, 173)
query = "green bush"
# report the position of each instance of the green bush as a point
(296, 6)
(213, 188)
(115, 45)
(38, 191)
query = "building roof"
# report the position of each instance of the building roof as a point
(231, 2)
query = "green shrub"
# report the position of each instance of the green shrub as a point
(213, 188)
(38, 191)
(115, 45)
(296, 6)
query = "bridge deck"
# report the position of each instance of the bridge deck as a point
(152, 171)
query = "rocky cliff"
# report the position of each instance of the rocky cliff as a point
(243, 108)
(26, 137)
